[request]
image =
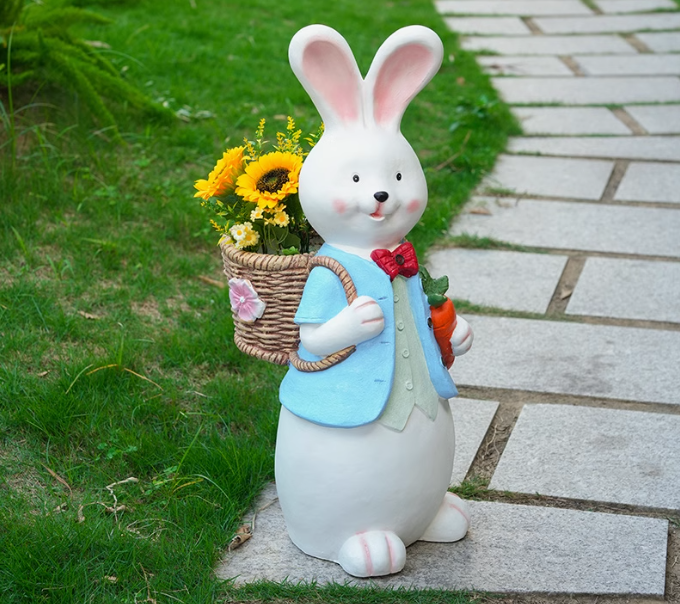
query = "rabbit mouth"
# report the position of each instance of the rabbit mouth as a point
(378, 214)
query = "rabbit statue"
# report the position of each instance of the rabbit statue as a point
(365, 448)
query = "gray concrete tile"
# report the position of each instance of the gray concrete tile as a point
(643, 64)
(550, 45)
(661, 42)
(657, 119)
(504, 279)
(524, 66)
(562, 357)
(663, 148)
(633, 6)
(628, 289)
(588, 91)
(488, 26)
(550, 176)
(576, 226)
(602, 24)
(471, 420)
(609, 455)
(558, 549)
(524, 8)
(650, 182)
(569, 120)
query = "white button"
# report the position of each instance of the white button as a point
(396, 298)
(409, 385)
(400, 325)
(405, 353)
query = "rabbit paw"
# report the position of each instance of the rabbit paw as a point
(461, 339)
(451, 522)
(372, 554)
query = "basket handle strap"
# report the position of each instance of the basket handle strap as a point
(351, 293)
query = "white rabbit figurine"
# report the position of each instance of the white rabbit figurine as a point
(365, 448)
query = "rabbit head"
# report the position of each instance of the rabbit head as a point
(362, 186)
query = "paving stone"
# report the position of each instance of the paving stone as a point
(551, 176)
(549, 45)
(650, 182)
(506, 26)
(661, 42)
(524, 66)
(576, 226)
(601, 24)
(569, 120)
(588, 91)
(471, 420)
(607, 455)
(524, 8)
(503, 279)
(562, 357)
(643, 64)
(628, 289)
(657, 119)
(663, 148)
(633, 6)
(557, 548)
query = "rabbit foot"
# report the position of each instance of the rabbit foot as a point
(372, 554)
(451, 522)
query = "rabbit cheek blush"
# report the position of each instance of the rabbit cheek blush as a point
(364, 448)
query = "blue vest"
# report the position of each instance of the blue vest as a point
(355, 391)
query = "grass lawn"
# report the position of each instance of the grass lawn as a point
(116, 359)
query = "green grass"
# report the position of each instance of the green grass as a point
(116, 361)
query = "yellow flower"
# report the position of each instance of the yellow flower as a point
(238, 232)
(281, 219)
(251, 240)
(270, 179)
(222, 179)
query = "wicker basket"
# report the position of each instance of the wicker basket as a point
(279, 281)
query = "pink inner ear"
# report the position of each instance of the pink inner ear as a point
(333, 76)
(399, 80)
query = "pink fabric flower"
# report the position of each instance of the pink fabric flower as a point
(244, 300)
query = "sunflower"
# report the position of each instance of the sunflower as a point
(270, 179)
(222, 178)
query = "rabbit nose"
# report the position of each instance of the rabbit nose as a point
(381, 196)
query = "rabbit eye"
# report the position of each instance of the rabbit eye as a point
(355, 178)
(398, 175)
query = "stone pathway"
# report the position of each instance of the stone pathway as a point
(572, 389)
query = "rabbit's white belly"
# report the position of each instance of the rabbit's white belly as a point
(336, 482)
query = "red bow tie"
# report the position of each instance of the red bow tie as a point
(401, 261)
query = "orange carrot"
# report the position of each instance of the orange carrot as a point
(443, 324)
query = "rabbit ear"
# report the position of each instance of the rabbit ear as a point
(403, 65)
(323, 62)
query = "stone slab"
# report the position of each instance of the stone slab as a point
(661, 42)
(657, 119)
(523, 8)
(524, 66)
(565, 225)
(471, 421)
(563, 357)
(628, 289)
(589, 91)
(602, 24)
(498, 278)
(569, 121)
(549, 45)
(607, 455)
(510, 548)
(650, 182)
(633, 6)
(643, 64)
(488, 26)
(663, 148)
(551, 176)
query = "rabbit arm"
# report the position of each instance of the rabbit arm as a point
(356, 323)
(461, 339)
